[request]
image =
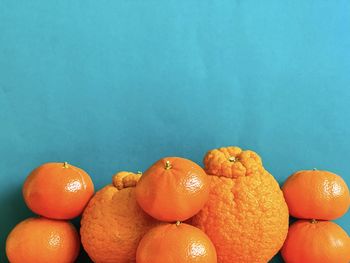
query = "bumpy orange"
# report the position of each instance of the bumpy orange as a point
(41, 240)
(113, 223)
(246, 216)
(176, 243)
(316, 194)
(312, 241)
(58, 190)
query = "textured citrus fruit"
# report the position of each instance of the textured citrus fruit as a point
(175, 243)
(246, 216)
(314, 194)
(57, 190)
(42, 240)
(173, 189)
(113, 223)
(312, 241)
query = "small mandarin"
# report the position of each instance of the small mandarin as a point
(173, 189)
(58, 190)
(175, 243)
(314, 241)
(316, 194)
(42, 240)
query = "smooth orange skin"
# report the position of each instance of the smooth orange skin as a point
(315, 194)
(320, 242)
(113, 223)
(42, 240)
(246, 216)
(173, 194)
(56, 192)
(173, 243)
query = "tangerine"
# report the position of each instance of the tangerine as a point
(175, 243)
(42, 240)
(58, 190)
(173, 189)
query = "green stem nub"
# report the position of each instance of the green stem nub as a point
(65, 165)
(177, 223)
(167, 165)
(313, 221)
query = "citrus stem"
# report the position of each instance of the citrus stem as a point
(65, 165)
(168, 165)
(314, 169)
(177, 223)
(232, 159)
(313, 221)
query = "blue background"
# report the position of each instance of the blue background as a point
(116, 85)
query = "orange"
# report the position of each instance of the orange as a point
(175, 243)
(173, 189)
(246, 216)
(312, 241)
(113, 223)
(314, 194)
(42, 240)
(58, 190)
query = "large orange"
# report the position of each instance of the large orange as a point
(176, 243)
(246, 216)
(173, 189)
(113, 223)
(42, 240)
(312, 241)
(315, 194)
(58, 190)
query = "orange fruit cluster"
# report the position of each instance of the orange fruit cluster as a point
(133, 219)
(174, 189)
(233, 210)
(314, 196)
(56, 192)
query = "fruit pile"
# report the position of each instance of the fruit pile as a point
(315, 197)
(139, 218)
(233, 210)
(56, 192)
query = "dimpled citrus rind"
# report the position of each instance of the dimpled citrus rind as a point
(112, 225)
(232, 162)
(246, 218)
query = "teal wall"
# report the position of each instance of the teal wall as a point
(115, 85)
